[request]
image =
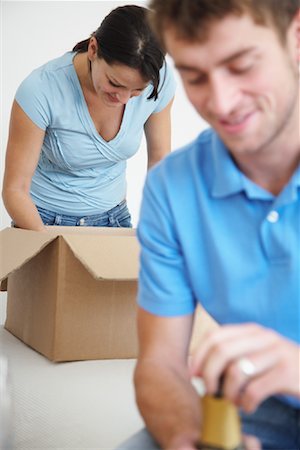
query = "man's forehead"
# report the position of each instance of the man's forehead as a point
(231, 31)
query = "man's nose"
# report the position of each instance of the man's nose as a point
(223, 95)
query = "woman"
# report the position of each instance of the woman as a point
(77, 119)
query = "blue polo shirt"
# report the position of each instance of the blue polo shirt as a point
(211, 235)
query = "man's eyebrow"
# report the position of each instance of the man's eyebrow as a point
(239, 54)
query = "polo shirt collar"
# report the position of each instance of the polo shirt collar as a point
(229, 180)
(227, 177)
(291, 191)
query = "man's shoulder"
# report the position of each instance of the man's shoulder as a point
(183, 168)
(197, 149)
(200, 145)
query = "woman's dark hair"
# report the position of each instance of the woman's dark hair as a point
(125, 37)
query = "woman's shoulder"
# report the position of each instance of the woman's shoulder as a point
(54, 66)
(43, 88)
(167, 71)
(45, 77)
(167, 87)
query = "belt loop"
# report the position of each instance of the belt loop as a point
(58, 219)
(111, 219)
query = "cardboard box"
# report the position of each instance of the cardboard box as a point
(72, 290)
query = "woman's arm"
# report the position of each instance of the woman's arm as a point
(158, 135)
(22, 155)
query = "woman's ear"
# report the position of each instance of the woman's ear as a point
(92, 49)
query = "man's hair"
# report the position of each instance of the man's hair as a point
(192, 18)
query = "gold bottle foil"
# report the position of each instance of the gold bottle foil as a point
(221, 429)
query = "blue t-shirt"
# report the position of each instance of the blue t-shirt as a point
(79, 173)
(211, 235)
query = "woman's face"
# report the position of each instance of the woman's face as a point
(116, 83)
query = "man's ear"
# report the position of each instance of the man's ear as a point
(297, 30)
(293, 37)
(92, 49)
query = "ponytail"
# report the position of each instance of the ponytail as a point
(81, 46)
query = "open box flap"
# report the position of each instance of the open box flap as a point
(18, 246)
(111, 257)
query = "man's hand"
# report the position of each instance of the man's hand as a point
(256, 363)
(184, 442)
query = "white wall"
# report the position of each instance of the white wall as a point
(34, 32)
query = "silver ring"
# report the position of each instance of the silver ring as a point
(247, 367)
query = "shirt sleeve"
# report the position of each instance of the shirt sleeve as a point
(164, 289)
(167, 87)
(32, 96)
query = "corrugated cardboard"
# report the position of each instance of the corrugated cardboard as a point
(72, 291)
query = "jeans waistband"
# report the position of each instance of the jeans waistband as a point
(118, 216)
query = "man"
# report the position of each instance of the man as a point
(220, 225)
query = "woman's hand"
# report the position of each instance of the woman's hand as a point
(256, 363)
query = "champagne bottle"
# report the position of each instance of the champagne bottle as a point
(221, 427)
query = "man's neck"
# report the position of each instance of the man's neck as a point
(272, 168)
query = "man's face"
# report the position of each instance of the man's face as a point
(242, 80)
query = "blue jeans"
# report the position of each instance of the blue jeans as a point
(118, 216)
(274, 423)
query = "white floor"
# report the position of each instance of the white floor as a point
(79, 405)
(2, 307)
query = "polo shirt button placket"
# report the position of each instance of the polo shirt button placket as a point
(273, 216)
(270, 237)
